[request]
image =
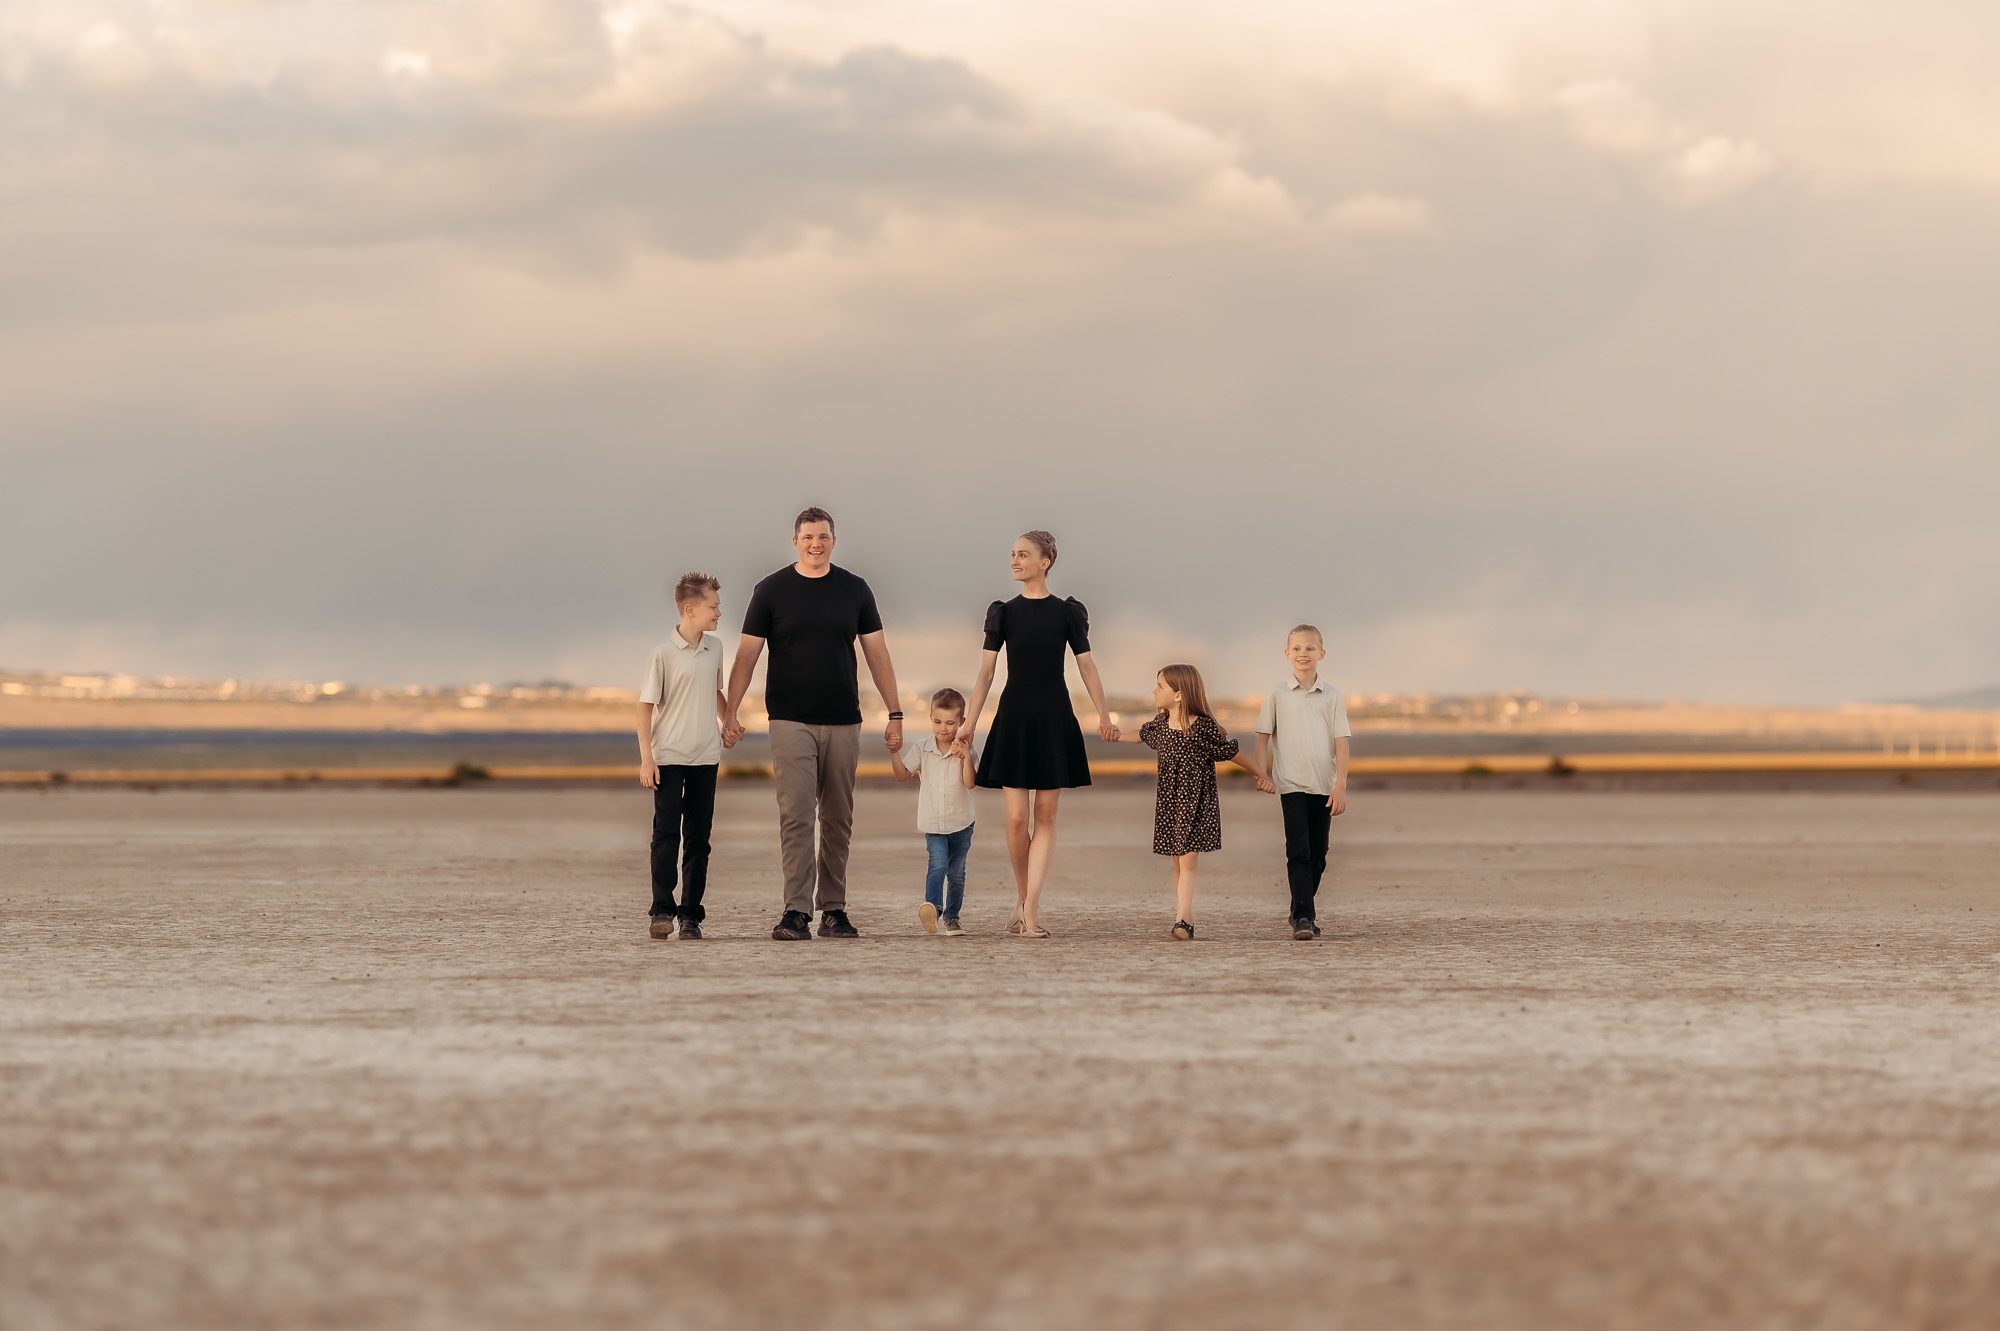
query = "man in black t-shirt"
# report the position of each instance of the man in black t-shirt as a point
(811, 613)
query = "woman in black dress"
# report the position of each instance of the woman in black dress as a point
(1035, 749)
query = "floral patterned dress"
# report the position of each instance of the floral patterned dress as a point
(1186, 814)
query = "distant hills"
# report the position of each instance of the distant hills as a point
(1971, 700)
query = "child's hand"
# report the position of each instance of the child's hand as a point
(1267, 785)
(1336, 803)
(649, 775)
(1106, 731)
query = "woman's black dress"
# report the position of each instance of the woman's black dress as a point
(1035, 742)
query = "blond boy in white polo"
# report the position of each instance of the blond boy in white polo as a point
(1302, 735)
(683, 712)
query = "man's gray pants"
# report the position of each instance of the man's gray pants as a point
(814, 766)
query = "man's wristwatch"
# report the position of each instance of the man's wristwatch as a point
(895, 716)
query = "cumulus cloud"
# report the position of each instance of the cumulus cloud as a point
(648, 125)
(1612, 115)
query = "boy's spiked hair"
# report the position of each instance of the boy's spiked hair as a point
(693, 586)
(1186, 681)
(1307, 628)
(949, 700)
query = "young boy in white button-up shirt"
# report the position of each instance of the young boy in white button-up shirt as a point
(683, 711)
(1304, 719)
(943, 770)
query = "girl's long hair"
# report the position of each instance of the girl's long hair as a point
(1186, 681)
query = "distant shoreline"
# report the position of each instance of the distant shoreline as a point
(1583, 771)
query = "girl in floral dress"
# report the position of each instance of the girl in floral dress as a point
(1187, 818)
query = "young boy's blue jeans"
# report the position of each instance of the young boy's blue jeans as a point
(944, 881)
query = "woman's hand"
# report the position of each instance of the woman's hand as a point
(1105, 730)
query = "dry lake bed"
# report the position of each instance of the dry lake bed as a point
(373, 1058)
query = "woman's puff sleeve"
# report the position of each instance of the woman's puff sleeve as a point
(996, 625)
(1079, 626)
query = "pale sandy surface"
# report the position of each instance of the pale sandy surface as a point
(407, 1058)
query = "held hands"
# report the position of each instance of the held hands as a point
(732, 731)
(1105, 730)
(892, 736)
(1266, 784)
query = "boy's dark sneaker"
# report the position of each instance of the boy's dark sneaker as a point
(690, 929)
(794, 924)
(952, 928)
(835, 924)
(1303, 930)
(661, 927)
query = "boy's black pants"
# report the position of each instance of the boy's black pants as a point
(1307, 822)
(683, 813)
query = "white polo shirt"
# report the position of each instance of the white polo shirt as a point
(944, 805)
(1303, 724)
(683, 681)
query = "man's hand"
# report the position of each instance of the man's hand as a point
(1336, 803)
(649, 775)
(732, 733)
(892, 735)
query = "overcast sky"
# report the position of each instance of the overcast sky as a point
(1643, 349)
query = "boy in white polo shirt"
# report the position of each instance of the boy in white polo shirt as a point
(943, 770)
(682, 714)
(1304, 719)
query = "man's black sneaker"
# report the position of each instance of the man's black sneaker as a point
(835, 924)
(1314, 926)
(795, 924)
(1302, 930)
(661, 926)
(690, 929)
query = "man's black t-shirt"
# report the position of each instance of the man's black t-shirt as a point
(811, 625)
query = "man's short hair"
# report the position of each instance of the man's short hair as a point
(948, 700)
(1307, 628)
(812, 515)
(693, 586)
